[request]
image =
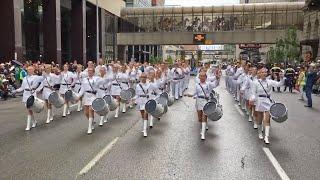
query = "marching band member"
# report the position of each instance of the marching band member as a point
(104, 89)
(143, 91)
(116, 88)
(78, 78)
(203, 89)
(176, 73)
(133, 79)
(123, 78)
(66, 83)
(30, 87)
(47, 89)
(245, 91)
(89, 88)
(261, 92)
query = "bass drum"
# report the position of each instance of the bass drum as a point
(56, 100)
(209, 108)
(112, 104)
(217, 115)
(125, 96)
(154, 108)
(100, 106)
(133, 92)
(35, 104)
(164, 102)
(70, 96)
(279, 112)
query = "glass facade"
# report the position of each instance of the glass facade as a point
(211, 19)
(65, 30)
(32, 32)
(110, 36)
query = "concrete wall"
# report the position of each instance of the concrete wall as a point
(186, 38)
(113, 6)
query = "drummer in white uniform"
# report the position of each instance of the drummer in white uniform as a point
(77, 84)
(176, 74)
(47, 89)
(104, 89)
(116, 88)
(203, 89)
(67, 83)
(143, 92)
(30, 87)
(261, 92)
(89, 89)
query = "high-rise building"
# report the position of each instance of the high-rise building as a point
(267, 1)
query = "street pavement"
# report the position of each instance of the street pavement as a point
(172, 150)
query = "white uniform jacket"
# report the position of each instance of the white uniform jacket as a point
(30, 86)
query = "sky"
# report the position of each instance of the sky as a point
(200, 2)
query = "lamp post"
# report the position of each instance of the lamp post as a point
(97, 35)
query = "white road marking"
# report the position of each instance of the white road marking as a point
(98, 157)
(276, 164)
(239, 110)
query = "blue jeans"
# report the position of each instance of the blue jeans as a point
(308, 94)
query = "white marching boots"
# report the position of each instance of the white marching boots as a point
(90, 126)
(68, 110)
(117, 112)
(64, 112)
(101, 120)
(255, 126)
(124, 107)
(145, 126)
(34, 122)
(250, 119)
(105, 120)
(151, 122)
(79, 106)
(48, 116)
(28, 123)
(51, 115)
(267, 133)
(203, 130)
(260, 131)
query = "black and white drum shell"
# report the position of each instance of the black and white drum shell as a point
(170, 100)
(112, 104)
(165, 95)
(56, 99)
(100, 106)
(164, 102)
(35, 104)
(209, 108)
(214, 99)
(132, 91)
(154, 108)
(125, 96)
(217, 115)
(70, 96)
(279, 112)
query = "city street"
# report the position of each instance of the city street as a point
(172, 150)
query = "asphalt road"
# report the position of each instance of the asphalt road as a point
(172, 150)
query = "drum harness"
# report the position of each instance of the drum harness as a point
(31, 89)
(93, 91)
(267, 95)
(49, 87)
(205, 95)
(145, 94)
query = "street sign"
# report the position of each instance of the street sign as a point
(199, 39)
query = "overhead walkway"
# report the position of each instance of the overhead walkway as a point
(242, 23)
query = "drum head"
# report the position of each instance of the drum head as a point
(98, 104)
(150, 106)
(278, 110)
(108, 99)
(68, 95)
(132, 91)
(165, 95)
(54, 96)
(30, 101)
(209, 108)
(125, 95)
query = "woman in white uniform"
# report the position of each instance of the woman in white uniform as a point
(77, 84)
(66, 84)
(143, 92)
(123, 79)
(89, 89)
(47, 89)
(116, 88)
(203, 89)
(30, 87)
(261, 92)
(104, 89)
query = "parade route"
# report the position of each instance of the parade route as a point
(172, 150)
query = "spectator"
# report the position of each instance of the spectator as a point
(310, 80)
